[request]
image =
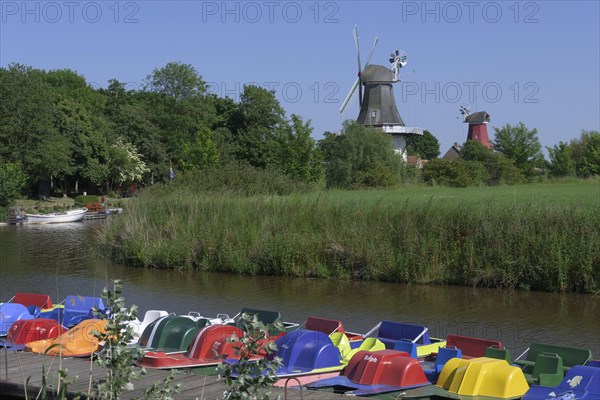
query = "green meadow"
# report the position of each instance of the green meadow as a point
(536, 236)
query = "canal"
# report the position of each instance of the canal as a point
(61, 260)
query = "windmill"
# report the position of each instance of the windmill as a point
(377, 104)
(477, 125)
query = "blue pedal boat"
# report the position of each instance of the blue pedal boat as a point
(11, 313)
(580, 383)
(76, 309)
(390, 333)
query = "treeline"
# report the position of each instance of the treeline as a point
(516, 157)
(60, 135)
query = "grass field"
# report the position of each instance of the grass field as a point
(541, 236)
(578, 193)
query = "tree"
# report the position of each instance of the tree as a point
(425, 146)
(299, 157)
(586, 153)
(561, 160)
(201, 153)
(500, 170)
(520, 145)
(259, 123)
(176, 80)
(124, 165)
(360, 156)
(12, 181)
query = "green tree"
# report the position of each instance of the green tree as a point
(425, 146)
(299, 156)
(500, 170)
(561, 160)
(125, 164)
(586, 153)
(360, 156)
(520, 145)
(201, 153)
(258, 126)
(12, 182)
(176, 80)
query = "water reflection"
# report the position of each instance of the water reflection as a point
(61, 260)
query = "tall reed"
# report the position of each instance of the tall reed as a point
(512, 244)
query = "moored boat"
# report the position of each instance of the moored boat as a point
(79, 341)
(371, 373)
(67, 216)
(23, 332)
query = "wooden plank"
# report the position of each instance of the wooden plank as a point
(193, 386)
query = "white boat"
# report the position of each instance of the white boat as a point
(68, 216)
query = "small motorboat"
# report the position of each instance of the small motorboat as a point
(67, 216)
(78, 341)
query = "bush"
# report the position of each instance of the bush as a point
(360, 157)
(240, 178)
(454, 173)
(83, 200)
(500, 170)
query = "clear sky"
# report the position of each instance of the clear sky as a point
(536, 62)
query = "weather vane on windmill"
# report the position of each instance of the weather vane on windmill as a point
(377, 103)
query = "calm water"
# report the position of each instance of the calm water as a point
(61, 260)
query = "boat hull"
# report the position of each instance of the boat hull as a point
(69, 216)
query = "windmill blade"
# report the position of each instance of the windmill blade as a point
(355, 31)
(349, 96)
(372, 51)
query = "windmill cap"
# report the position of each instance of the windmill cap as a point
(480, 117)
(377, 74)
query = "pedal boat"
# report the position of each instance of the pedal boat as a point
(23, 332)
(79, 341)
(390, 333)
(173, 334)
(75, 309)
(546, 364)
(480, 378)
(11, 313)
(35, 302)
(371, 373)
(580, 383)
(212, 343)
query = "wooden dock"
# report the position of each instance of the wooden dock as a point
(21, 369)
(95, 215)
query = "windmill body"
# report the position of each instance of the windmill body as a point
(477, 126)
(378, 104)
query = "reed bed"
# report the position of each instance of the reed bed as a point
(529, 243)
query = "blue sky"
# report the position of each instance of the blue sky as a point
(536, 62)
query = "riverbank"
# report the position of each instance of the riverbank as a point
(539, 237)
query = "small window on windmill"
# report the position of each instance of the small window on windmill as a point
(373, 114)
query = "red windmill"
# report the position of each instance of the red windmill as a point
(477, 126)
